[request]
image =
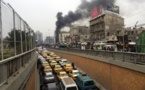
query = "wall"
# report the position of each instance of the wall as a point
(111, 77)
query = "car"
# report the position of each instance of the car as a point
(68, 84)
(57, 59)
(53, 63)
(74, 73)
(62, 62)
(50, 86)
(44, 55)
(48, 78)
(68, 67)
(85, 82)
(47, 69)
(57, 68)
(45, 63)
(61, 75)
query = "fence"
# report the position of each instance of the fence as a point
(17, 42)
(16, 37)
(137, 58)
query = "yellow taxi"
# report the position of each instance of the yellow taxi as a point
(51, 54)
(68, 67)
(61, 75)
(74, 74)
(57, 68)
(44, 55)
(44, 64)
(47, 69)
(57, 59)
(53, 63)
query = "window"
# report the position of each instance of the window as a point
(89, 83)
(71, 88)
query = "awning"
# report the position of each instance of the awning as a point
(84, 43)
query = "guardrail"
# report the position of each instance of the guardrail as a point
(11, 66)
(137, 58)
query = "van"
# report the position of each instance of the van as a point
(68, 84)
(85, 82)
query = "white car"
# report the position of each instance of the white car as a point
(63, 62)
(49, 78)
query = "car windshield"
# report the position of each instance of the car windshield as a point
(89, 83)
(71, 88)
(47, 67)
(76, 73)
(57, 67)
(50, 75)
(62, 75)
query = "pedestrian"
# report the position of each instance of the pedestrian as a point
(72, 65)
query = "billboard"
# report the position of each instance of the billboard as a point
(97, 11)
(113, 8)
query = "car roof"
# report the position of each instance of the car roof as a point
(68, 81)
(84, 77)
(75, 71)
(48, 73)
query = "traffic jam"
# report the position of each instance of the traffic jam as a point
(57, 73)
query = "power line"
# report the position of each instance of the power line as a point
(135, 14)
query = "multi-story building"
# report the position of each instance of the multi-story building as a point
(39, 37)
(79, 34)
(50, 40)
(105, 22)
(62, 36)
(105, 25)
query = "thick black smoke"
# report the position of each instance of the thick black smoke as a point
(83, 11)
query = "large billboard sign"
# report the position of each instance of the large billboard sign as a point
(113, 8)
(99, 10)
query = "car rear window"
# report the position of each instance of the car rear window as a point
(89, 83)
(71, 88)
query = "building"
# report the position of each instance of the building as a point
(39, 37)
(105, 23)
(79, 34)
(50, 40)
(62, 36)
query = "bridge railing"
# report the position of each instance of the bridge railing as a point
(11, 66)
(17, 42)
(137, 58)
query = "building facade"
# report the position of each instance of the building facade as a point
(39, 37)
(105, 25)
(79, 34)
(50, 40)
(62, 36)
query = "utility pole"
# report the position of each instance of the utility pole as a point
(135, 37)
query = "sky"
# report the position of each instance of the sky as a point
(41, 14)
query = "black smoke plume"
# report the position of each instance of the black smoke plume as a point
(83, 11)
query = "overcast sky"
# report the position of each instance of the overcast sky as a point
(41, 14)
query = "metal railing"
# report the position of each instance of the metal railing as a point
(137, 58)
(11, 66)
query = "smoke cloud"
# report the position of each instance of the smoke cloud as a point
(83, 11)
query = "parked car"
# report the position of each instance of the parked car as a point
(61, 75)
(85, 82)
(49, 78)
(57, 68)
(68, 84)
(68, 67)
(74, 73)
